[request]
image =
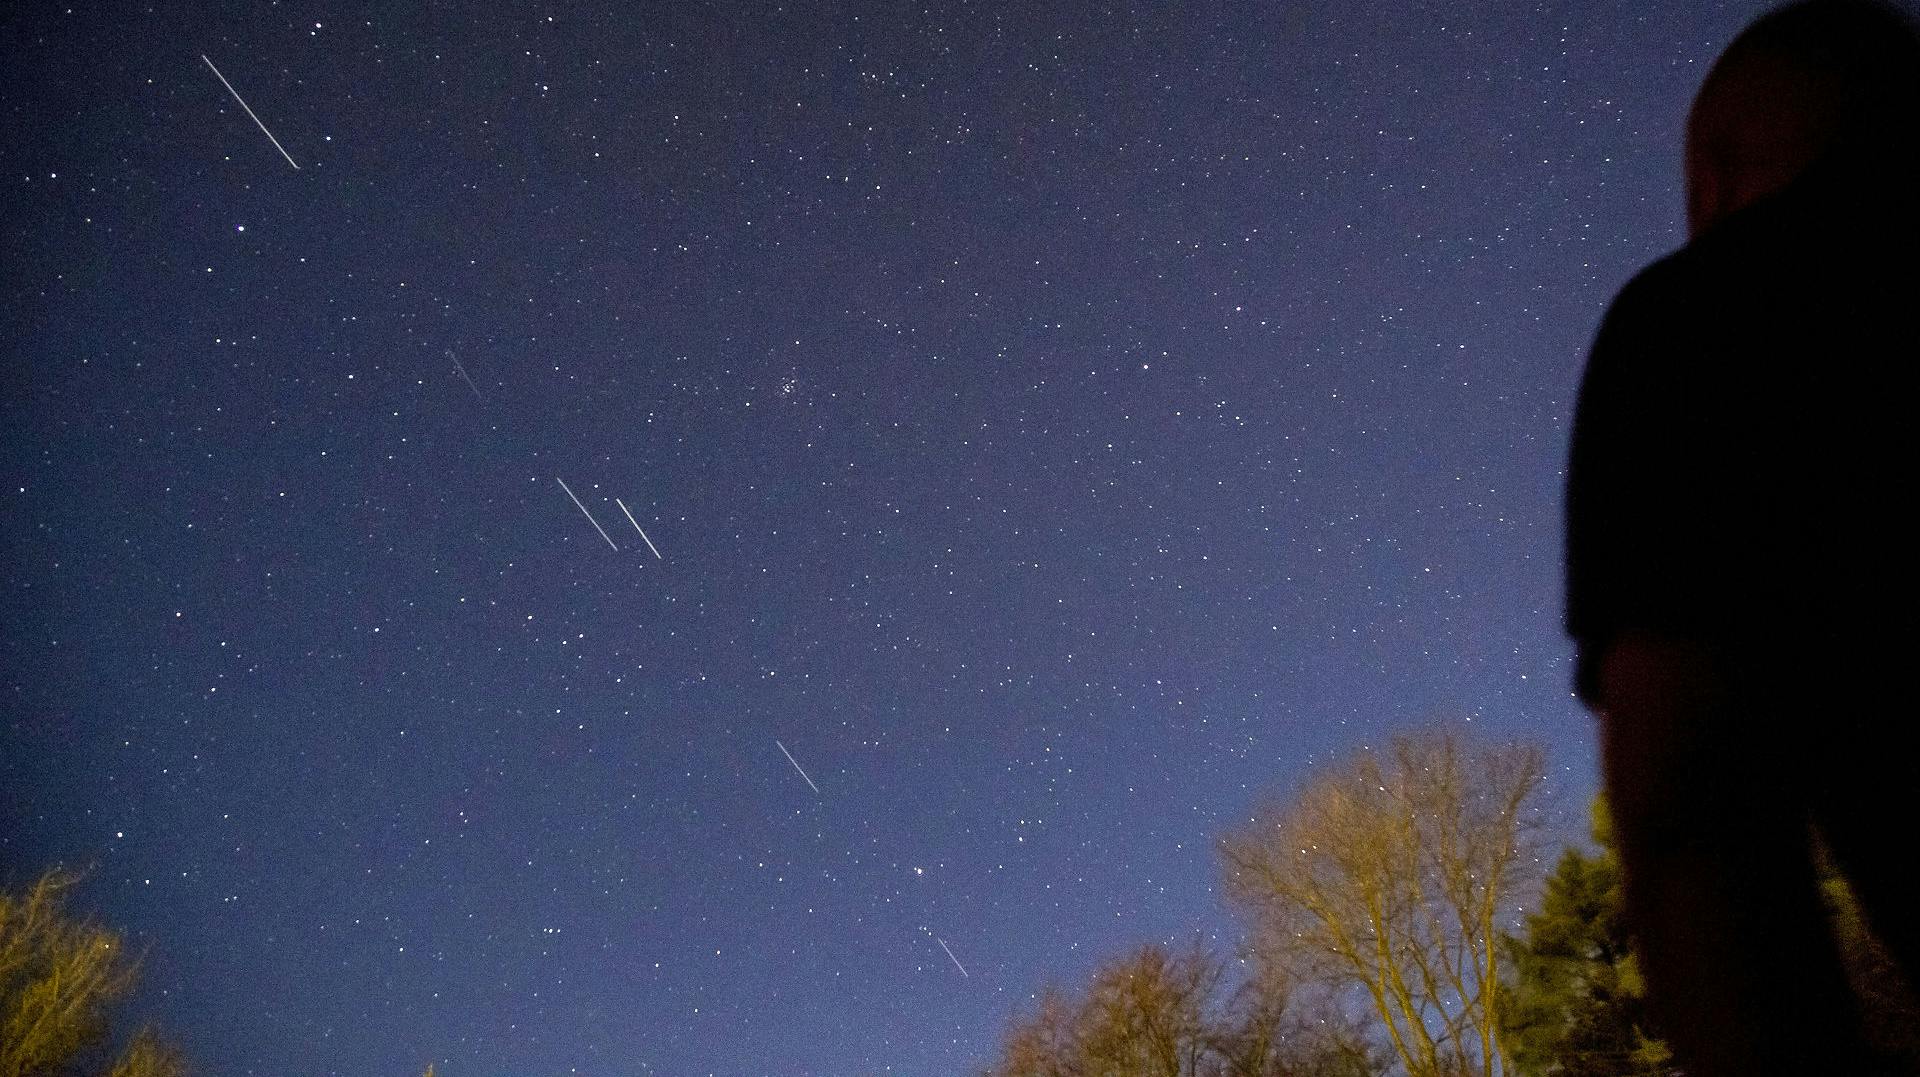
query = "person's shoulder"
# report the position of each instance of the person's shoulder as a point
(1657, 282)
(1652, 299)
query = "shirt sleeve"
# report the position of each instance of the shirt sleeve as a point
(1636, 478)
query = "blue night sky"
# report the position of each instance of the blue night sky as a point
(1060, 426)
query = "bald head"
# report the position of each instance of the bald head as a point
(1814, 82)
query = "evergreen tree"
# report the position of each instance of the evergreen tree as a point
(1576, 1006)
(1889, 1008)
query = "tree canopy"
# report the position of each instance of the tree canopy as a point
(60, 979)
(1155, 1013)
(1390, 878)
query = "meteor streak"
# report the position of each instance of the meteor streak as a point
(584, 512)
(256, 119)
(796, 766)
(949, 950)
(463, 376)
(636, 527)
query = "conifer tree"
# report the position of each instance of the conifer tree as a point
(1576, 1006)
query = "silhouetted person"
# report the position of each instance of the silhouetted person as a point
(1739, 555)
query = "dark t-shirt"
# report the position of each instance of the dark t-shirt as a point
(1741, 466)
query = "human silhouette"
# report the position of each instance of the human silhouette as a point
(1740, 580)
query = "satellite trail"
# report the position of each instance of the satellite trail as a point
(636, 527)
(256, 119)
(584, 512)
(463, 376)
(796, 766)
(949, 950)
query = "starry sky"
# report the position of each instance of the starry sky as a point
(1059, 426)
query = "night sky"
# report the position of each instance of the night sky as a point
(1059, 427)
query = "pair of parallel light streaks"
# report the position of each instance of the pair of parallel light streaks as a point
(464, 376)
(603, 531)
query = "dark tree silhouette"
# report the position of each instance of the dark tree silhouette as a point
(1577, 1004)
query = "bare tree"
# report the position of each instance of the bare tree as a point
(1145, 1015)
(1156, 1014)
(1148, 1015)
(1043, 1045)
(149, 1056)
(59, 978)
(1389, 879)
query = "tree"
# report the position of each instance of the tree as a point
(1889, 1007)
(1577, 1006)
(1043, 1045)
(1387, 880)
(1155, 1014)
(1147, 1015)
(59, 979)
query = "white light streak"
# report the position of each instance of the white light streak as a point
(256, 119)
(796, 766)
(636, 527)
(583, 510)
(463, 376)
(949, 950)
